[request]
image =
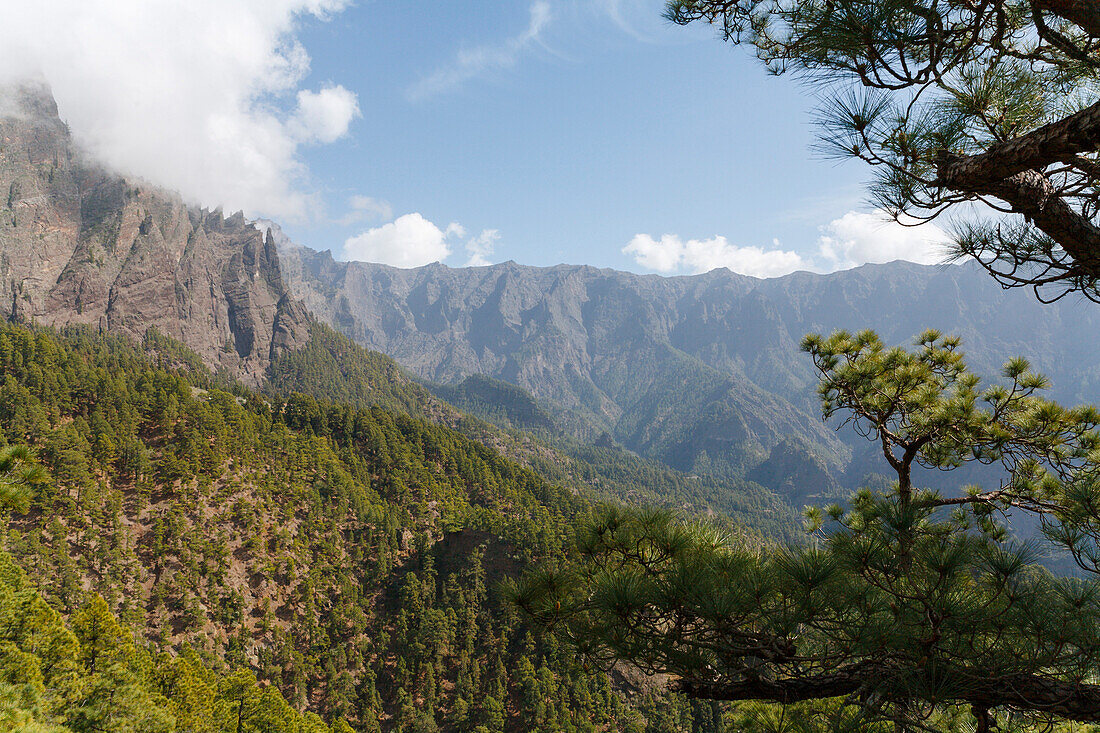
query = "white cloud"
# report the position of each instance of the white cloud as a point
(408, 241)
(413, 241)
(671, 254)
(366, 208)
(470, 63)
(204, 97)
(481, 247)
(858, 238)
(665, 255)
(324, 116)
(852, 240)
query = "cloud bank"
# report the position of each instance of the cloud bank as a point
(852, 240)
(413, 241)
(671, 254)
(204, 97)
(471, 63)
(858, 238)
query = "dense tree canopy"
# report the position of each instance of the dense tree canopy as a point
(909, 606)
(19, 474)
(955, 102)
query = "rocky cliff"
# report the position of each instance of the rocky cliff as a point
(82, 245)
(701, 371)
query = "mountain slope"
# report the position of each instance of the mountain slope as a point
(80, 245)
(700, 372)
(332, 367)
(344, 552)
(500, 402)
(346, 555)
(593, 343)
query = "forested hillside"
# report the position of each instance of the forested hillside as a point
(346, 555)
(332, 367)
(499, 402)
(88, 674)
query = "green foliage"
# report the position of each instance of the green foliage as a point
(332, 365)
(924, 405)
(19, 474)
(345, 557)
(914, 608)
(90, 675)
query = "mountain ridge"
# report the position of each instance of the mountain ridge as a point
(128, 258)
(702, 372)
(699, 372)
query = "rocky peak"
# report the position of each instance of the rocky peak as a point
(83, 245)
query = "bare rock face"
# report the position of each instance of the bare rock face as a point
(80, 245)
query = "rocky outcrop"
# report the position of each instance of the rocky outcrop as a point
(81, 245)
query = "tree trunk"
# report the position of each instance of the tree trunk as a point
(1013, 172)
(983, 722)
(1068, 700)
(1084, 13)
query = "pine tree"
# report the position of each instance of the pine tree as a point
(19, 475)
(911, 606)
(951, 104)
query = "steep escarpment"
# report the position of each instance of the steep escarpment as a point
(598, 345)
(702, 372)
(82, 245)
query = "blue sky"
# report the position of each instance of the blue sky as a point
(596, 131)
(544, 131)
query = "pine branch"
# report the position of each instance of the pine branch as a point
(1059, 141)
(1078, 702)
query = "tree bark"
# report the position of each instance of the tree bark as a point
(1067, 700)
(1031, 193)
(1013, 172)
(1084, 13)
(1049, 144)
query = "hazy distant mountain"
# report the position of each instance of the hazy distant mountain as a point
(81, 245)
(701, 372)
